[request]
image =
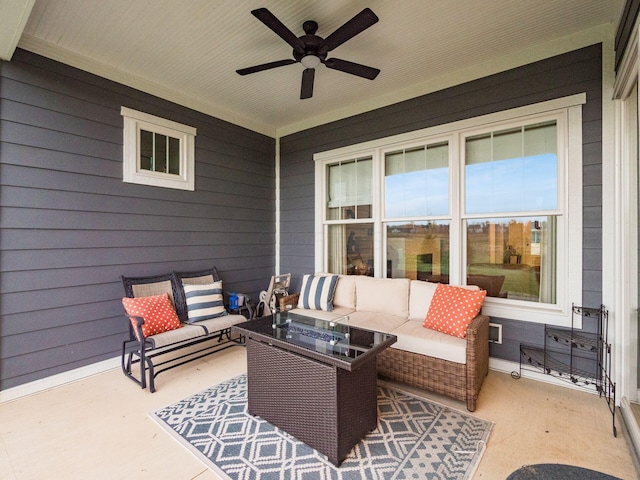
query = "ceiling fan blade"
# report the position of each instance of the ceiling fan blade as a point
(271, 21)
(306, 91)
(353, 27)
(265, 66)
(352, 68)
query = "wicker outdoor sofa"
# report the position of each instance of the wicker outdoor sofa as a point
(189, 337)
(422, 357)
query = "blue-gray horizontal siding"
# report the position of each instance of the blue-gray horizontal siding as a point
(571, 73)
(69, 225)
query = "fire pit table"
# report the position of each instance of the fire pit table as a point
(315, 379)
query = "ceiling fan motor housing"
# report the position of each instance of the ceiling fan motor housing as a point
(311, 41)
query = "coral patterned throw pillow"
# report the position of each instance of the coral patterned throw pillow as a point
(157, 311)
(452, 309)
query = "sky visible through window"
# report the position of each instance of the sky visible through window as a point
(517, 184)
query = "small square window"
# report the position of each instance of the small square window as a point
(157, 151)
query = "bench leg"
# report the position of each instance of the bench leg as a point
(145, 365)
(143, 368)
(126, 364)
(227, 333)
(152, 375)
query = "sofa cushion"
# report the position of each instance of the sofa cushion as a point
(335, 314)
(317, 292)
(345, 292)
(452, 309)
(204, 302)
(420, 295)
(380, 322)
(413, 337)
(157, 311)
(383, 295)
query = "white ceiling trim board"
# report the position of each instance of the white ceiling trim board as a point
(40, 47)
(601, 33)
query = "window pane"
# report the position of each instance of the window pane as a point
(417, 182)
(146, 150)
(174, 156)
(418, 250)
(160, 156)
(513, 258)
(350, 249)
(512, 170)
(349, 186)
(159, 153)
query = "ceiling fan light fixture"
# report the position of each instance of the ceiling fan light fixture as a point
(310, 61)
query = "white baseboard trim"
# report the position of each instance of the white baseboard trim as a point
(60, 379)
(507, 366)
(37, 386)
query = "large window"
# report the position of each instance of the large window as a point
(494, 202)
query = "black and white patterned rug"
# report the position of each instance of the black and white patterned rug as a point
(415, 438)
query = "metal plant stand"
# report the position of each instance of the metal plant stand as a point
(575, 355)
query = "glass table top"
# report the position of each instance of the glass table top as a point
(332, 338)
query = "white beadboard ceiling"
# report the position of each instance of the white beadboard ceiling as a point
(188, 50)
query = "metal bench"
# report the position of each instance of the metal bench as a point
(161, 352)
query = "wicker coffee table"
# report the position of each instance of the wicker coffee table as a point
(314, 379)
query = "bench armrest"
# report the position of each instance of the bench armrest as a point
(135, 331)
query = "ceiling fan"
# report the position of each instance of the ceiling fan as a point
(311, 50)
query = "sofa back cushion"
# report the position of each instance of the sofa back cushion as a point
(345, 292)
(420, 295)
(383, 295)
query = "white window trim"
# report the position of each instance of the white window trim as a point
(570, 267)
(134, 121)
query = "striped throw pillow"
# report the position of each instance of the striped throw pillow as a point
(317, 292)
(204, 302)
